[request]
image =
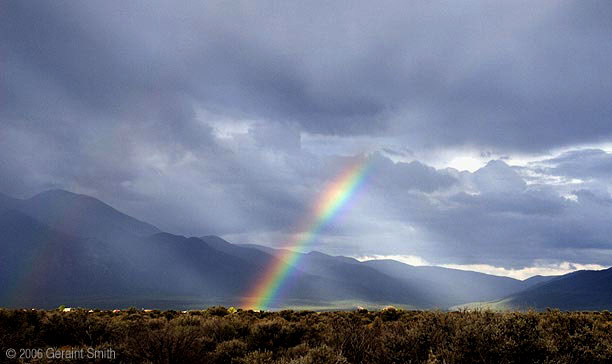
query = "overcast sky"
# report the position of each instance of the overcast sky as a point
(488, 125)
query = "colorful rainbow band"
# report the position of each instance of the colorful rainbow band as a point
(334, 197)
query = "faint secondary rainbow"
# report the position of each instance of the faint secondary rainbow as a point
(333, 198)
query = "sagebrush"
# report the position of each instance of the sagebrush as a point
(218, 335)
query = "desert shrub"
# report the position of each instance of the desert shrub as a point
(319, 355)
(75, 328)
(19, 327)
(224, 329)
(160, 341)
(274, 334)
(390, 314)
(170, 314)
(522, 340)
(403, 342)
(289, 337)
(230, 351)
(258, 357)
(358, 340)
(217, 311)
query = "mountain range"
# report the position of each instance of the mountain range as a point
(64, 248)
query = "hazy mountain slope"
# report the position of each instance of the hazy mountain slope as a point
(265, 249)
(450, 287)
(349, 279)
(59, 247)
(434, 286)
(39, 264)
(81, 215)
(8, 203)
(300, 284)
(251, 255)
(83, 248)
(42, 267)
(582, 290)
(176, 265)
(535, 280)
(191, 266)
(371, 283)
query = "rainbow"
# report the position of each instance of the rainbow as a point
(333, 198)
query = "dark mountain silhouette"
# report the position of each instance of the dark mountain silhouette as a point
(367, 283)
(177, 265)
(451, 287)
(253, 256)
(581, 290)
(346, 277)
(63, 248)
(436, 286)
(41, 266)
(44, 267)
(8, 203)
(38, 264)
(535, 280)
(81, 215)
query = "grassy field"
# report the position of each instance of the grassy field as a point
(219, 335)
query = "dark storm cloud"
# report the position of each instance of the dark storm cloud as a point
(193, 117)
(508, 77)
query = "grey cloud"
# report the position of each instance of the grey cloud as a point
(434, 74)
(402, 176)
(528, 203)
(105, 97)
(498, 220)
(586, 163)
(497, 176)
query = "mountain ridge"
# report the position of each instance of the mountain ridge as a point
(82, 215)
(95, 254)
(582, 290)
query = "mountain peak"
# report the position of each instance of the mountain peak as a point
(82, 215)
